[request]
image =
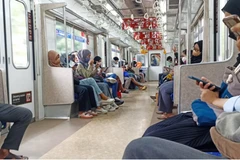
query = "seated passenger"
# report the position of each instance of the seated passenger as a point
(21, 118)
(196, 56)
(86, 69)
(183, 128)
(112, 84)
(132, 80)
(86, 99)
(157, 148)
(115, 62)
(54, 61)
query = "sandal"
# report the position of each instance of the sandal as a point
(13, 156)
(165, 116)
(85, 115)
(92, 113)
(143, 88)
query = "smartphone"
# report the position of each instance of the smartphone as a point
(231, 21)
(204, 83)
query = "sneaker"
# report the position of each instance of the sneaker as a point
(101, 110)
(108, 101)
(94, 113)
(115, 105)
(119, 101)
(111, 80)
(109, 108)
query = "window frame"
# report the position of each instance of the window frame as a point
(27, 34)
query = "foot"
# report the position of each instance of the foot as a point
(101, 110)
(159, 112)
(85, 115)
(111, 80)
(114, 105)
(165, 116)
(108, 101)
(119, 101)
(9, 155)
(153, 97)
(126, 91)
(93, 113)
(109, 108)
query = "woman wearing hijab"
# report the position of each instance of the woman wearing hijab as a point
(182, 128)
(87, 70)
(54, 61)
(85, 94)
(197, 52)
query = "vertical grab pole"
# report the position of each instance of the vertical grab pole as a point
(189, 39)
(179, 30)
(66, 34)
(179, 49)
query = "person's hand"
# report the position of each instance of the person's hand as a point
(91, 62)
(200, 84)
(208, 96)
(236, 28)
(97, 66)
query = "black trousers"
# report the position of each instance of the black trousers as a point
(86, 97)
(21, 117)
(183, 129)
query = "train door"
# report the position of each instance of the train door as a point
(155, 64)
(18, 52)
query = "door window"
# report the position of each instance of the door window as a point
(20, 52)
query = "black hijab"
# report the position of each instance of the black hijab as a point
(232, 7)
(197, 59)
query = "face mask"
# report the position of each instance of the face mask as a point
(87, 60)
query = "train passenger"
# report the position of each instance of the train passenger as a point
(183, 128)
(86, 99)
(54, 61)
(184, 57)
(115, 62)
(196, 56)
(158, 148)
(129, 80)
(98, 75)
(21, 118)
(86, 69)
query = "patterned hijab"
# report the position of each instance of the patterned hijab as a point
(53, 59)
(83, 57)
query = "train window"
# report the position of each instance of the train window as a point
(141, 58)
(155, 59)
(79, 40)
(20, 52)
(60, 38)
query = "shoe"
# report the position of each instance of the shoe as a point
(108, 101)
(111, 80)
(101, 110)
(119, 101)
(153, 97)
(144, 88)
(85, 115)
(126, 91)
(92, 113)
(159, 112)
(109, 108)
(115, 106)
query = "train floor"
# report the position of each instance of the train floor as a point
(103, 137)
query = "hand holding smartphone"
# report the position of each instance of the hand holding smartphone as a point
(216, 89)
(231, 21)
